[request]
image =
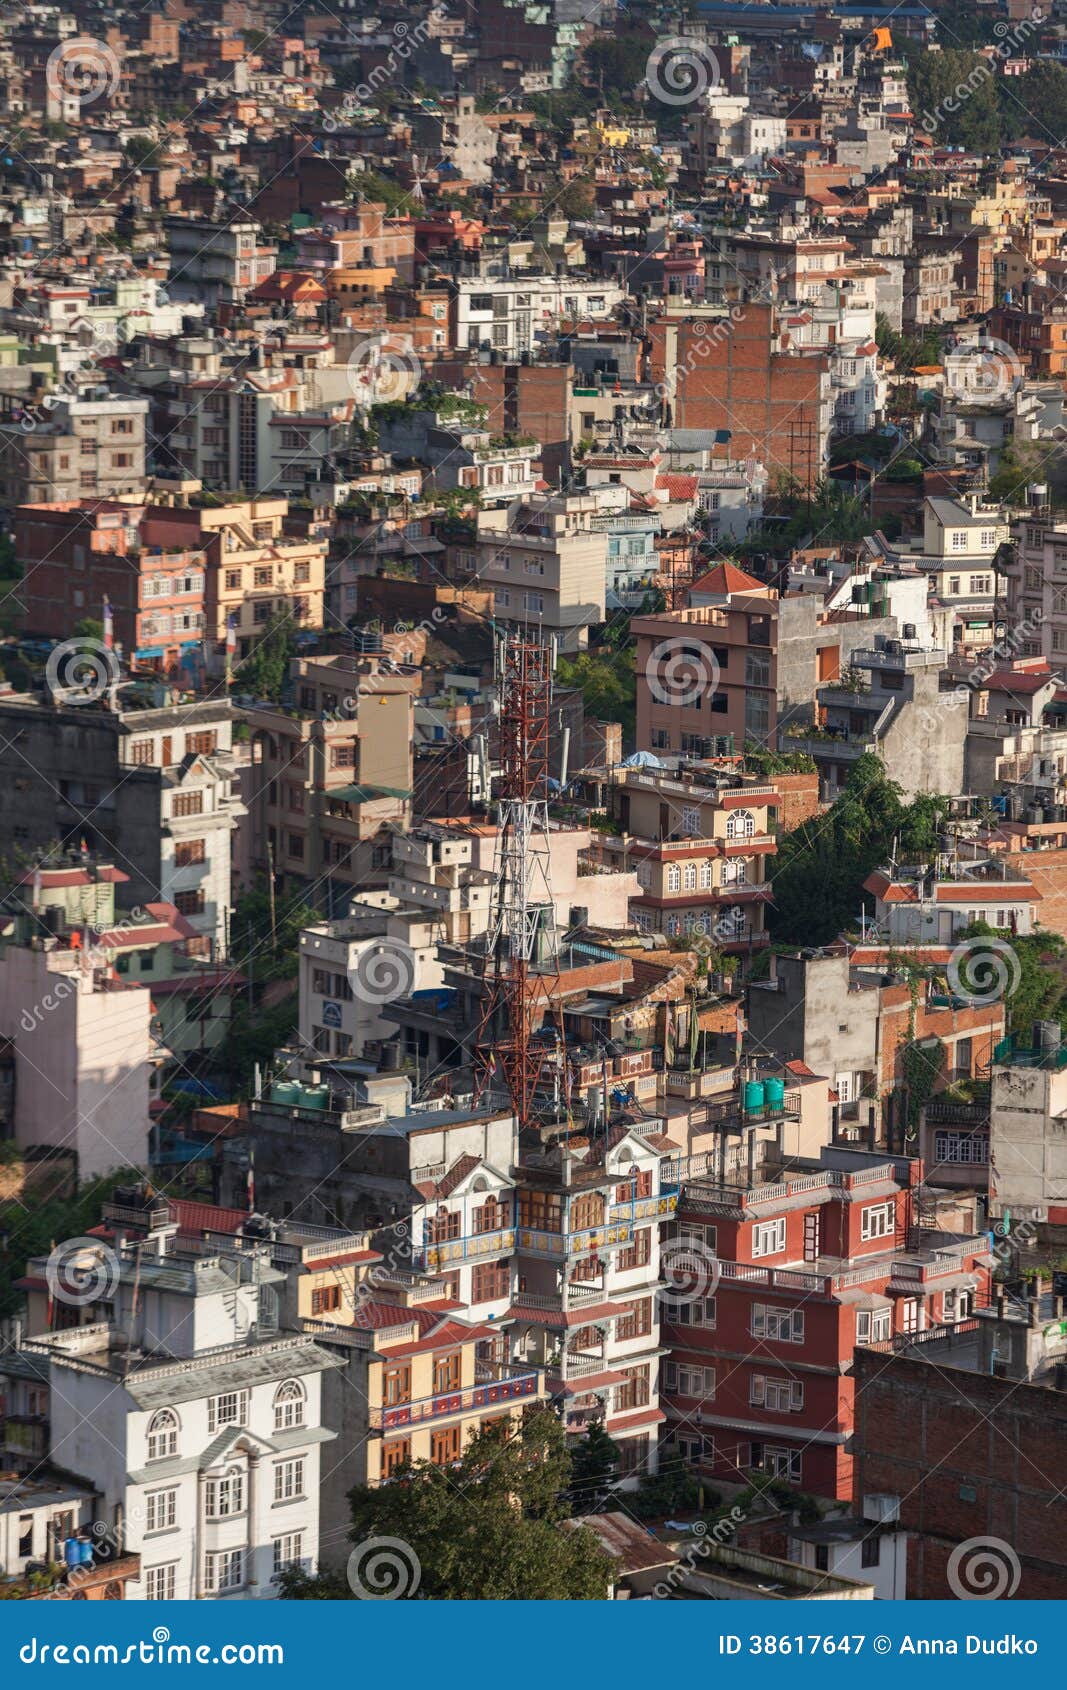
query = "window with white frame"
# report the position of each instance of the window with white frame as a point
(961, 1147)
(778, 1462)
(288, 1405)
(740, 825)
(674, 877)
(288, 1480)
(685, 1381)
(288, 1551)
(777, 1325)
(690, 822)
(781, 1396)
(700, 1312)
(878, 1220)
(689, 877)
(225, 1496)
(160, 1582)
(160, 1510)
(873, 1326)
(224, 1569)
(163, 1431)
(229, 1409)
(705, 875)
(768, 1237)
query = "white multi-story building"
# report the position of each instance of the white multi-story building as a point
(195, 1421)
(216, 263)
(547, 566)
(510, 314)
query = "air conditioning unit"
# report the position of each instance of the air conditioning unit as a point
(881, 1508)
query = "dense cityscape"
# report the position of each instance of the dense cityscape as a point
(533, 700)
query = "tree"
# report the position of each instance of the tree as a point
(607, 683)
(265, 670)
(821, 865)
(489, 1528)
(594, 1466)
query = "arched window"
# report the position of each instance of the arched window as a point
(741, 825)
(689, 877)
(674, 877)
(289, 1401)
(163, 1429)
(705, 874)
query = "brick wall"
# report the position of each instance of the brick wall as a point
(935, 1437)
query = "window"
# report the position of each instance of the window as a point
(288, 1480)
(491, 1216)
(327, 1297)
(779, 1463)
(189, 851)
(690, 822)
(288, 1405)
(188, 804)
(683, 1381)
(639, 1185)
(635, 1392)
(224, 1569)
(768, 1237)
(740, 825)
(674, 877)
(288, 1550)
(873, 1325)
(871, 1552)
(141, 752)
(779, 1326)
(961, 1147)
(395, 1455)
(201, 743)
(701, 1312)
(541, 1211)
(445, 1446)
(162, 1435)
(159, 1582)
(781, 1396)
(25, 1535)
(446, 1371)
(636, 1322)
(490, 1281)
(229, 1409)
(225, 1496)
(878, 1220)
(189, 903)
(638, 1255)
(161, 1510)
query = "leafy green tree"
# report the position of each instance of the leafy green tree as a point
(265, 670)
(488, 1528)
(607, 682)
(30, 1227)
(821, 865)
(594, 1465)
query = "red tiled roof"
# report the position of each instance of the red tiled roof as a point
(55, 877)
(727, 578)
(678, 486)
(194, 1217)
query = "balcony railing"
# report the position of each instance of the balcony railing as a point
(433, 1258)
(511, 1385)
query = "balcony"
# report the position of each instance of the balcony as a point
(437, 1257)
(493, 1387)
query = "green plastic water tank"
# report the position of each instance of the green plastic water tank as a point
(774, 1092)
(285, 1091)
(315, 1097)
(754, 1096)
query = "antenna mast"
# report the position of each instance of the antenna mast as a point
(524, 913)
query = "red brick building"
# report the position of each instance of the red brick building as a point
(759, 1375)
(726, 374)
